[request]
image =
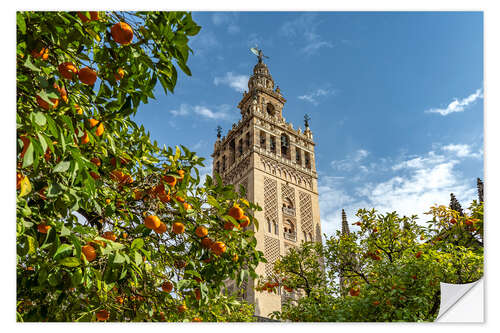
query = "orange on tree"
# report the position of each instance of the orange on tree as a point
(187, 206)
(236, 212)
(67, 70)
(117, 175)
(152, 222)
(89, 252)
(170, 180)
(102, 315)
(78, 109)
(94, 16)
(178, 228)
(201, 231)
(167, 286)
(206, 242)
(119, 299)
(418, 255)
(85, 138)
(122, 33)
(43, 228)
(138, 194)
(109, 235)
(161, 229)
(164, 197)
(94, 175)
(245, 221)
(26, 143)
(96, 161)
(182, 308)
(218, 248)
(45, 105)
(87, 76)
(62, 92)
(181, 173)
(228, 225)
(197, 319)
(235, 257)
(179, 198)
(93, 122)
(197, 293)
(120, 73)
(43, 53)
(19, 177)
(100, 129)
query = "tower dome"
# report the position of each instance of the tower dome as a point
(261, 77)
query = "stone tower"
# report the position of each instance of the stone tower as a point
(275, 164)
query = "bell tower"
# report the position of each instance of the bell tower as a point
(275, 164)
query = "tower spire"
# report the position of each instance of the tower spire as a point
(455, 205)
(345, 225)
(480, 188)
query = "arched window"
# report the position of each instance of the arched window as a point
(217, 167)
(288, 227)
(270, 109)
(305, 237)
(275, 228)
(310, 237)
(268, 226)
(223, 162)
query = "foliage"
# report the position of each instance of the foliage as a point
(388, 270)
(87, 175)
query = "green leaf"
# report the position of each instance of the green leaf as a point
(78, 246)
(63, 248)
(65, 231)
(40, 118)
(30, 65)
(43, 143)
(62, 166)
(138, 243)
(119, 259)
(31, 243)
(70, 262)
(25, 186)
(137, 258)
(28, 156)
(21, 25)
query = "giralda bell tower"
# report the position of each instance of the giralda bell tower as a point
(275, 164)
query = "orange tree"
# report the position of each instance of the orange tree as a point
(388, 270)
(109, 225)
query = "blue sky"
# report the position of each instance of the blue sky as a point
(396, 100)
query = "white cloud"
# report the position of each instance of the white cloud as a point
(458, 105)
(222, 112)
(462, 150)
(409, 186)
(312, 96)
(305, 28)
(352, 160)
(237, 82)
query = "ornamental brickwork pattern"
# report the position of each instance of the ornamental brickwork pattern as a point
(271, 199)
(288, 192)
(306, 217)
(271, 253)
